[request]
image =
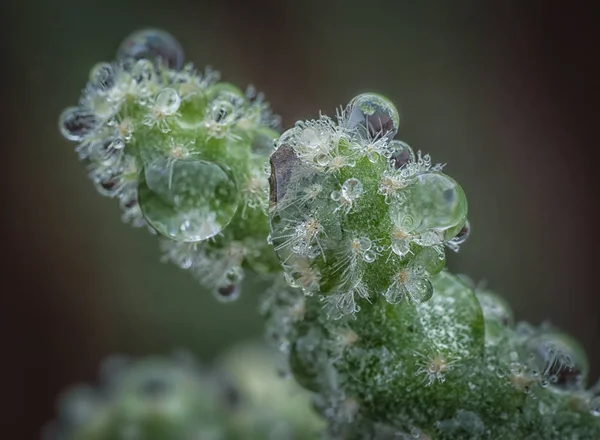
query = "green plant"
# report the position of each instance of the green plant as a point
(390, 343)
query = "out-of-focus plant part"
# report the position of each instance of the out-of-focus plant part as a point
(174, 398)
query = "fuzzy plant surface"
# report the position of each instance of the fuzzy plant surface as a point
(183, 153)
(177, 398)
(351, 227)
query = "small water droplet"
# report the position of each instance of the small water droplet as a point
(228, 293)
(335, 196)
(102, 76)
(402, 154)
(369, 256)
(310, 137)
(167, 101)
(75, 123)
(352, 189)
(153, 45)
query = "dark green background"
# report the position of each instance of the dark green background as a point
(504, 92)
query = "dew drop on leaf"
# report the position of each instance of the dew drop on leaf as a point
(402, 153)
(75, 123)
(188, 200)
(438, 203)
(152, 44)
(372, 116)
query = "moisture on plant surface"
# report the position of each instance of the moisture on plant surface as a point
(349, 228)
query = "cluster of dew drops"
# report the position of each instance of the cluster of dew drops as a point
(147, 94)
(364, 130)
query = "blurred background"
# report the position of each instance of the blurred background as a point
(505, 92)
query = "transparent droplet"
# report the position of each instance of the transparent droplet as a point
(365, 243)
(352, 189)
(227, 293)
(153, 45)
(369, 256)
(437, 203)
(420, 290)
(102, 76)
(188, 199)
(402, 154)
(462, 236)
(75, 123)
(322, 159)
(167, 101)
(108, 181)
(107, 151)
(372, 116)
(595, 406)
(560, 359)
(516, 368)
(310, 138)
(335, 196)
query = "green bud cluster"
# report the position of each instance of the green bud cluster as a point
(183, 153)
(175, 398)
(391, 344)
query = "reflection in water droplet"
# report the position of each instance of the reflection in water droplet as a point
(560, 360)
(372, 116)
(437, 203)
(402, 154)
(352, 189)
(228, 293)
(153, 45)
(75, 123)
(188, 200)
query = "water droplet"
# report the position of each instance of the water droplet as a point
(335, 196)
(560, 359)
(373, 116)
(188, 200)
(401, 154)
(369, 256)
(106, 151)
(153, 45)
(167, 101)
(437, 203)
(310, 138)
(75, 123)
(228, 293)
(420, 290)
(322, 159)
(595, 406)
(102, 76)
(352, 189)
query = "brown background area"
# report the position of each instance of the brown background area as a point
(505, 92)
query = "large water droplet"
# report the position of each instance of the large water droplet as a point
(75, 123)
(437, 203)
(188, 200)
(372, 116)
(153, 45)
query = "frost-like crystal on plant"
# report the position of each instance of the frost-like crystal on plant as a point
(183, 153)
(337, 185)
